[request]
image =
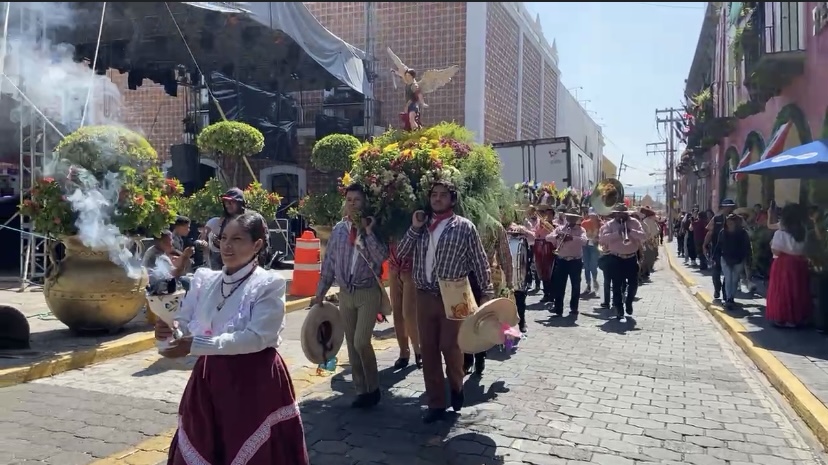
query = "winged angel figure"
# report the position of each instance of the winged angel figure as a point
(415, 89)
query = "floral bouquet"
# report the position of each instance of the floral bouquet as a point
(398, 167)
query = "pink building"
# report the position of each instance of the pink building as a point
(760, 72)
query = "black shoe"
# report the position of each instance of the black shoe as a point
(434, 414)
(418, 360)
(457, 400)
(479, 366)
(716, 294)
(522, 326)
(401, 363)
(604, 305)
(367, 400)
(546, 299)
(468, 362)
(573, 312)
(629, 309)
(557, 312)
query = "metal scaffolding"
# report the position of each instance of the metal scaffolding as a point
(34, 144)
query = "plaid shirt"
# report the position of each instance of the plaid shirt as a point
(459, 254)
(337, 264)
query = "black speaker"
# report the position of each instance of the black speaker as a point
(185, 162)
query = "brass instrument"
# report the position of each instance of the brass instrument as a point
(606, 195)
(625, 233)
(567, 229)
(520, 261)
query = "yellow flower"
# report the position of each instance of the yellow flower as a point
(346, 179)
(434, 154)
(423, 140)
(393, 147)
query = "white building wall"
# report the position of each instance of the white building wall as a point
(574, 122)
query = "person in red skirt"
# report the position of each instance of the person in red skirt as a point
(789, 301)
(239, 406)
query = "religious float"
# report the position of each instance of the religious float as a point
(104, 192)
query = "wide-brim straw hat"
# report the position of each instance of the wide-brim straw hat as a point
(620, 208)
(573, 213)
(322, 333)
(484, 329)
(647, 210)
(745, 212)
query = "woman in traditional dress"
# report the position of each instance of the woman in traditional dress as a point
(789, 301)
(239, 406)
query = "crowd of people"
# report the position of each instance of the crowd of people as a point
(233, 312)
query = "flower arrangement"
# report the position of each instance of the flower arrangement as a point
(116, 162)
(397, 169)
(206, 202)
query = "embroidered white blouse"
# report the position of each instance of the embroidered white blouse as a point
(250, 319)
(784, 242)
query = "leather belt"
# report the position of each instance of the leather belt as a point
(625, 255)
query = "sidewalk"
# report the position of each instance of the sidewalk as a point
(55, 349)
(795, 361)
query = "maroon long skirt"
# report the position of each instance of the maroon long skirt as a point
(789, 293)
(544, 258)
(239, 410)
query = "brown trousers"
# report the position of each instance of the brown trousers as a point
(438, 342)
(404, 305)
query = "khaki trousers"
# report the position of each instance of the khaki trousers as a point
(404, 306)
(438, 342)
(359, 314)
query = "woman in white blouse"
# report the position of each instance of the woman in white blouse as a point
(789, 301)
(239, 406)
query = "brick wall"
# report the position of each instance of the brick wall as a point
(530, 120)
(502, 35)
(550, 101)
(425, 35)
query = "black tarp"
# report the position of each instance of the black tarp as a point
(272, 113)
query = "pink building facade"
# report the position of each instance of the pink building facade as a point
(768, 84)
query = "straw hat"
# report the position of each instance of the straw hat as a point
(484, 329)
(573, 213)
(647, 211)
(322, 333)
(745, 212)
(546, 203)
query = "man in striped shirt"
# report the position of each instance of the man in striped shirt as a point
(442, 245)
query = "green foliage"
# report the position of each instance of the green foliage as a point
(263, 201)
(230, 138)
(147, 203)
(205, 203)
(334, 152)
(323, 209)
(105, 149)
(51, 213)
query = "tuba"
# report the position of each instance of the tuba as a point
(606, 195)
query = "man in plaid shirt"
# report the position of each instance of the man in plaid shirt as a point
(442, 246)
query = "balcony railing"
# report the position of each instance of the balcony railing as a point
(353, 113)
(775, 39)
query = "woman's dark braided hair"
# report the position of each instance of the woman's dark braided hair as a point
(793, 218)
(255, 225)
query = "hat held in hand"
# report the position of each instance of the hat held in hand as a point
(322, 333)
(487, 327)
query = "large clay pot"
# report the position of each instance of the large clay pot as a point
(86, 291)
(323, 233)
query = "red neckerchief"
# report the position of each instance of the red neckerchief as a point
(438, 218)
(352, 236)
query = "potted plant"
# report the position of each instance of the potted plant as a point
(333, 153)
(105, 190)
(263, 201)
(230, 139)
(321, 210)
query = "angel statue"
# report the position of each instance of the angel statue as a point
(431, 80)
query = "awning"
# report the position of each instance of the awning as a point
(743, 162)
(777, 143)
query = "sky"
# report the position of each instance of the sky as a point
(624, 60)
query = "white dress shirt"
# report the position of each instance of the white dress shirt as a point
(250, 320)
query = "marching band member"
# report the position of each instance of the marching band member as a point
(442, 246)
(592, 225)
(603, 247)
(623, 236)
(520, 293)
(651, 244)
(569, 240)
(354, 270)
(531, 223)
(544, 250)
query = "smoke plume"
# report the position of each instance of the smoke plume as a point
(51, 82)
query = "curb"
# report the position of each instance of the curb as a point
(810, 409)
(127, 345)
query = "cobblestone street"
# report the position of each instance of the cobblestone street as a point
(667, 388)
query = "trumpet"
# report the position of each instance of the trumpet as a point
(560, 241)
(546, 224)
(625, 233)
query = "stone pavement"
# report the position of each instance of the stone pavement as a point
(49, 337)
(804, 352)
(667, 388)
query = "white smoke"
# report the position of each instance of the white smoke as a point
(57, 87)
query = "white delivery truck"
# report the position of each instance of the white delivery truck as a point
(555, 160)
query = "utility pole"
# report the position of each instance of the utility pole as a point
(660, 148)
(669, 117)
(620, 168)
